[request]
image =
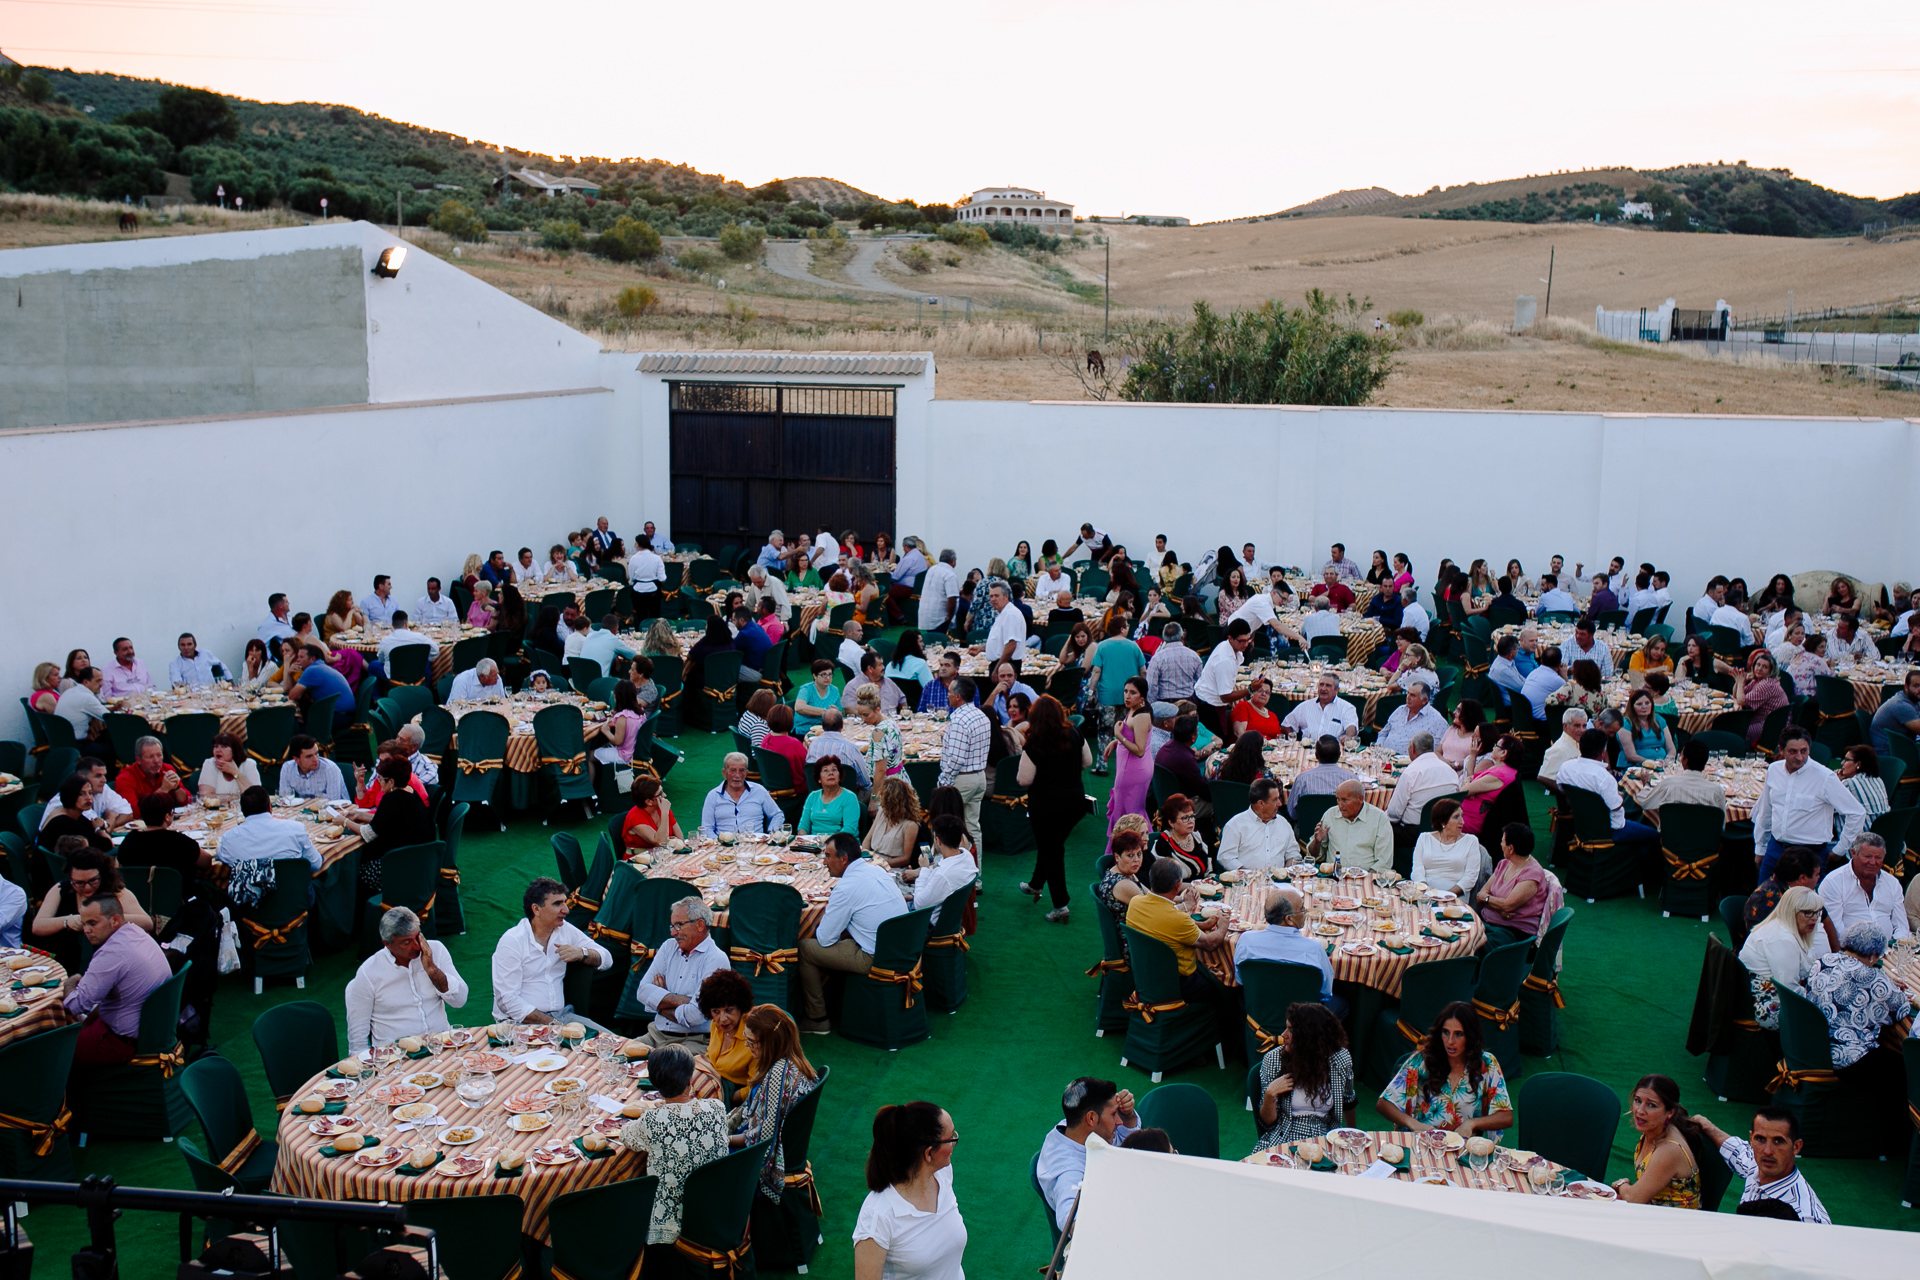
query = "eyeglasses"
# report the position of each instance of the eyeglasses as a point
(947, 1141)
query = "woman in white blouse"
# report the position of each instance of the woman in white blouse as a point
(1416, 667)
(1779, 951)
(259, 669)
(227, 771)
(909, 1226)
(559, 568)
(1447, 857)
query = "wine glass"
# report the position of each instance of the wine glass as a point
(368, 1074)
(475, 1087)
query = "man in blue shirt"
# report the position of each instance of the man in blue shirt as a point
(773, 556)
(317, 680)
(1553, 599)
(194, 669)
(751, 639)
(1282, 940)
(738, 805)
(310, 775)
(1547, 678)
(1504, 671)
(496, 570)
(603, 644)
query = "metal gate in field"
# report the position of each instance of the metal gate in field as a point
(750, 457)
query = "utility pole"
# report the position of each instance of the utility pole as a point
(399, 216)
(1549, 310)
(1106, 324)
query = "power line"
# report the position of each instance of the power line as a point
(129, 53)
(193, 6)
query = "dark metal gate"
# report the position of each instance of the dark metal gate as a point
(748, 458)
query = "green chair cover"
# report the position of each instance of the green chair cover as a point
(466, 654)
(583, 1248)
(219, 1100)
(1424, 991)
(1594, 867)
(482, 760)
(649, 915)
(476, 1237)
(1164, 1030)
(1307, 812)
(601, 690)
(1046, 1210)
(582, 672)
(944, 961)
(568, 860)
(124, 730)
(1734, 744)
(297, 1040)
(884, 1007)
(1005, 826)
(612, 927)
(453, 915)
(1188, 1114)
(1328, 649)
(410, 664)
(776, 775)
(141, 1098)
(1229, 800)
(786, 1234)
(1836, 1122)
(1540, 998)
(319, 721)
(33, 1081)
(16, 862)
(158, 890)
(718, 1208)
(666, 679)
(713, 710)
(206, 1175)
(1714, 1173)
(1690, 847)
(557, 730)
(1270, 988)
(268, 730)
(411, 700)
(190, 741)
(40, 743)
(1570, 1119)
(275, 932)
(764, 921)
(1496, 999)
(410, 878)
(1116, 974)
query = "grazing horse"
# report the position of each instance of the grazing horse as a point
(1096, 363)
(129, 221)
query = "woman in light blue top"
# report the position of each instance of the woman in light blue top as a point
(909, 661)
(811, 701)
(1643, 738)
(832, 808)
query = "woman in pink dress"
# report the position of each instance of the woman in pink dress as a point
(1132, 768)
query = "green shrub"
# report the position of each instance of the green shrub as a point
(635, 301)
(1022, 238)
(563, 236)
(216, 167)
(1406, 319)
(628, 240)
(966, 237)
(458, 219)
(742, 244)
(697, 260)
(36, 86)
(917, 259)
(1315, 354)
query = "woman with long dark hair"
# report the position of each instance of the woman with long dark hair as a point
(909, 1226)
(1379, 573)
(1246, 760)
(1050, 767)
(1452, 1083)
(1664, 1169)
(1306, 1082)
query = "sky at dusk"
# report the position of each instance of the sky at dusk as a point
(1207, 109)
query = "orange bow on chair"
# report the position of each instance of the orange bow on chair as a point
(1263, 1040)
(1148, 1012)
(1551, 986)
(1787, 1079)
(1110, 966)
(1501, 1018)
(909, 981)
(1680, 869)
(726, 1261)
(266, 937)
(771, 962)
(42, 1135)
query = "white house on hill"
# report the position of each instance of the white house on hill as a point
(1013, 204)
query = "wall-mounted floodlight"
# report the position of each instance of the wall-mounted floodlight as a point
(391, 260)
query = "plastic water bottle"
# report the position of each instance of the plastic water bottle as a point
(1336, 864)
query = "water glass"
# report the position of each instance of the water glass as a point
(475, 1087)
(368, 1074)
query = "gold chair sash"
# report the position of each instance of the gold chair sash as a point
(1148, 1012)
(480, 766)
(1501, 1018)
(1413, 1035)
(949, 940)
(803, 1181)
(1263, 1040)
(770, 962)
(1580, 844)
(598, 931)
(1011, 802)
(1787, 1079)
(423, 912)
(1913, 1114)
(567, 764)
(577, 899)
(909, 980)
(726, 1262)
(169, 1063)
(1110, 966)
(42, 1135)
(561, 1273)
(1680, 869)
(244, 1148)
(266, 937)
(1551, 986)
(450, 874)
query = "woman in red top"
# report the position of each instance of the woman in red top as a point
(372, 787)
(650, 823)
(780, 740)
(1251, 712)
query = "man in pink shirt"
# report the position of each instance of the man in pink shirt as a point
(125, 674)
(127, 967)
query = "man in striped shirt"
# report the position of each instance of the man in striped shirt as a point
(963, 751)
(1766, 1161)
(1174, 669)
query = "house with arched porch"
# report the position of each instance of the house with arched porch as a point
(1019, 205)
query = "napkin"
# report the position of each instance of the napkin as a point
(605, 1103)
(426, 1122)
(1378, 1169)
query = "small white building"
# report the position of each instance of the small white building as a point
(1020, 205)
(1637, 209)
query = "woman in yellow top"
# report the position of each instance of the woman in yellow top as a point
(1653, 657)
(1664, 1170)
(725, 997)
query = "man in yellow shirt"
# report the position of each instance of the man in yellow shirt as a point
(1156, 914)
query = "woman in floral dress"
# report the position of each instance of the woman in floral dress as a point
(1451, 1082)
(678, 1136)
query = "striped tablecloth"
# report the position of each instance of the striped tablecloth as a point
(1287, 758)
(1298, 681)
(303, 1171)
(445, 634)
(1429, 1161)
(1697, 707)
(1902, 964)
(523, 749)
(157, 708)
(40, 1007)
(564, 593)
(1740, 779)
(716, 880)
(205, 825)
(1383, 970)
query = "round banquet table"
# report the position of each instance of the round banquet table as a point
(716, 870)
(523, 750)
(1623, 644)
(40, 1007)
(366, 641)
(1741, 779)
(1380, 971)
(302, 1171)
(160, 705)
(1429, 1161)
(1296, 682)
(1379, 768)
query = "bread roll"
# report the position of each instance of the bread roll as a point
(633, 1110)
(311, 1105)
(1311, 1152)
(21, 962)
(411, 1044)
(635, 1048)
(511, 1160)
(349, 1142)
(1393, 1153)
(421, 1157)
(574, 1031)
(347, 1067)
(1479, 1146)
(9, 1005)
(594, 1142)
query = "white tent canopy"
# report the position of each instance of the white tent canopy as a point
(1262, 1221)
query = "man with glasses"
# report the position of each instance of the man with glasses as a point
(670, 988)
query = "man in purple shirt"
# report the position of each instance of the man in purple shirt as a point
(126, 674)
(127, 967)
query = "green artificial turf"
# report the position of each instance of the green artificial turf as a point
(998, 1065)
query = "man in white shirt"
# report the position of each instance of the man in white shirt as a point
(480, 684)
(1735, 617)
(647, 575)
(1322, 623)
(577, 628)
(261, 835)
(380, 605)
(1716, 595)
(1349, 570)
(1251, 564)
(853, 648)
(404, 634)
(403, 989)
(1565, 747)
(530, 960)
(80, 706)
(1007, 641)
(1416, 717)
(1552, 598)
(1258, 836)
(1590, 773)
(826, 552)
(1324, 713)
(1428, 777)
(1863, 890)
(1091, 1106)
(939, 593)
(1097, 544)
(762, 585)
(670, 988)
(194, 669)
(1799, 800)
(1547, 678)
(1583, 645)
(525, 571)
(1849, 642)
(1766, 1161)
(1216, 689)
(1258, 612)
(1053, 580)
(433, 607)
(276, 625)
(102, 803)
(1412, 614)
(864, 898)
